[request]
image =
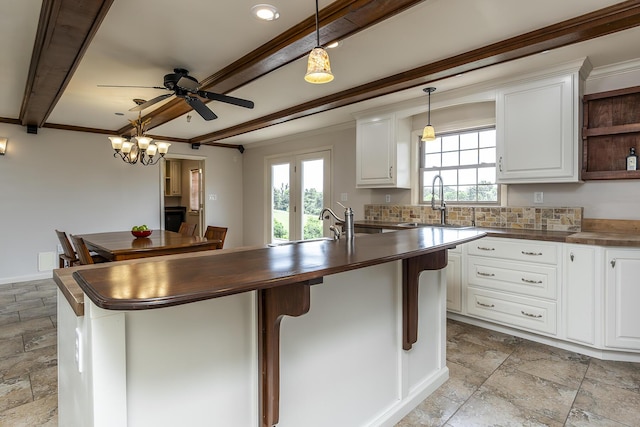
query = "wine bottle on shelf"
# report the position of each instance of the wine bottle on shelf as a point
(632, 160)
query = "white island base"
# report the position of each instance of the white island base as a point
(341, 364)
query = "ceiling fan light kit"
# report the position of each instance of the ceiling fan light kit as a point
(429, 133)
(318, 66)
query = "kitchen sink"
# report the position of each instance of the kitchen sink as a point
(420, 224)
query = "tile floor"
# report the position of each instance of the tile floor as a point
(495, 379)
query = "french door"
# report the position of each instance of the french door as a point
(299, 189)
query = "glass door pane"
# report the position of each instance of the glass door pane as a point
(280, 203)
(312, 198)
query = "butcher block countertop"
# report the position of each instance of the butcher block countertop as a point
(180, 279)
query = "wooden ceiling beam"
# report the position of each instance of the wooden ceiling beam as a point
(339, 20)
(65, 29)
(619, 17)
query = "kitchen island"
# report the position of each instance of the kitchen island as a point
(315, 333)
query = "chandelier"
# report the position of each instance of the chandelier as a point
(139, 148)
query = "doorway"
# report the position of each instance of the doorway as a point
(299, 187)
(182, 192)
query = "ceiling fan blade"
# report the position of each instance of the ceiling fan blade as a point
(188, 84)
(150, 102)
(226, 98)
(137, 87)
(200, 108)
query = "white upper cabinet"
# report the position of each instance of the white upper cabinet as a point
(538, 124)
(383, 152)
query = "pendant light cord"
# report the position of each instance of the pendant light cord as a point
(429, 111)
(317, 26)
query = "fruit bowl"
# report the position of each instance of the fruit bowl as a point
(141, 233)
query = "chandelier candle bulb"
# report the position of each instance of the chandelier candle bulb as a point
(116, 142)
(143, 142)
(163, 147)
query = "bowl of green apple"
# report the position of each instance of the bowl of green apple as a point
(141, 231)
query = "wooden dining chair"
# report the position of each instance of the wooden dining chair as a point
(84, 255)
(216, 233)
(187, 229)
(68, 257)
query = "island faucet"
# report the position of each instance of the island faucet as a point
(347, 221)
(443, 206)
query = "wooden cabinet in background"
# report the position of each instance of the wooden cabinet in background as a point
(611, 128)
(172, 175)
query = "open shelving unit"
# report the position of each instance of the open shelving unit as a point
(611, 127)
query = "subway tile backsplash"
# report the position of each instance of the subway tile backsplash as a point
(521, 217)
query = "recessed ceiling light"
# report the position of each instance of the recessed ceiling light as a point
(265, 12)
(333, 44)
(119, 114)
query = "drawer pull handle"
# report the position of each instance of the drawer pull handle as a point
(531, 281)
(485, 305)
(484, 248)
(531, 253)
(481, 273)
(537, 316)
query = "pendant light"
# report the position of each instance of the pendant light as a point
(429, 133)
(318, 67)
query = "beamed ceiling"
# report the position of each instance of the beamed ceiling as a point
(389, 51)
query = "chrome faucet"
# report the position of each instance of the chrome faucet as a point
(443, 206)
(347, 221)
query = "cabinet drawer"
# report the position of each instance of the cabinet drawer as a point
(519, 250)
(521, 278)
(512, 310)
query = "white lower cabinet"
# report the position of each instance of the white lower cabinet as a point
(582, 293)
(622, 298)
(580, 297)
(513, 282)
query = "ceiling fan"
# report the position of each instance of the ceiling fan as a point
(187, 87)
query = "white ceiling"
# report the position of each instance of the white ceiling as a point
(142, 40)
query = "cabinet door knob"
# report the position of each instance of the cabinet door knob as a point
(571, 256)
(613, 263)
(500, 164)
(484, 248)
(390, 174)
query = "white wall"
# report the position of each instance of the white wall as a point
(70, 181)
(343, 141)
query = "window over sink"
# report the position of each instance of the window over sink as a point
(466, 161)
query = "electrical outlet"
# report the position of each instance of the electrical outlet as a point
(344, 197)
(538, 197)
(387, 198)
(213, 197)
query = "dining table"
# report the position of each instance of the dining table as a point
(122, 245)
